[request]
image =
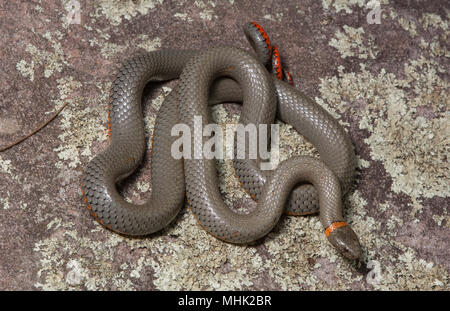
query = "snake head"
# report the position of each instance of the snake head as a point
(346, 242)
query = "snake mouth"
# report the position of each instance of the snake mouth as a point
(346, 242)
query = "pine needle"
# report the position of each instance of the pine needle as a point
(35, 131)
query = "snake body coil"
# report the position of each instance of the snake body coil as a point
(302, 184)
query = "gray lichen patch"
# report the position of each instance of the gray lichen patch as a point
(206, 9)
(109, 49)
(81, 124)
(403, 271)
(51, 61)
(26, 69)
(412, 149)
(195, 253)
(175, 265)
(183, 17)
(115, 11)
(62, 268)
(434, 21)
(149, 44)
(5, 166)
(349, 6)
(408, 25)
(354, 42)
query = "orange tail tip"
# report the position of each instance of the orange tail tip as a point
(334, 226)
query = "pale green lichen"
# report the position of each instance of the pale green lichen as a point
(50, 61)
(196, 253)
(38, 8)
(81, 124)
(143, 186)
(347, 6)
(412, 149)
(394, 222)
(200, 3)
(269, 17)
(354, 42)
(149, 44)
(63, 268)
(392, 13)
(5, 166)
(439, 219)
(5, 201)
(206, 13)
(108, 49)
(406, 271)
(434, 47)
(361, 163)
(274, 17)
(176, 265)
(434, 21)
(408, 25)
(183, 16)
(26, 69)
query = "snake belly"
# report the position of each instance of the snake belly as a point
(169, 177)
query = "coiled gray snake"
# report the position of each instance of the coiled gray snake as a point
(300, 185)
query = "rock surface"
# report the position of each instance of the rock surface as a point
(386, 83)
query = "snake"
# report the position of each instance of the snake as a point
(300, 185)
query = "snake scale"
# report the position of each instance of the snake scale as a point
(299, 185)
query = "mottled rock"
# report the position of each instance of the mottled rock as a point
(387, 84)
